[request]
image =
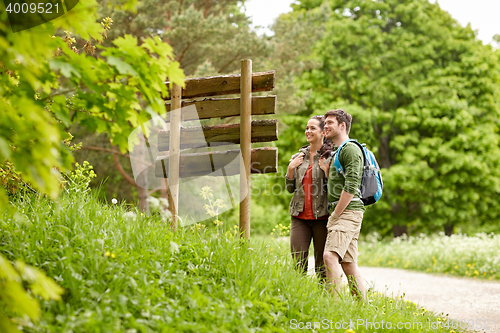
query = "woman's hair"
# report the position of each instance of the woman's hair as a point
(321, 120)
(327, 147)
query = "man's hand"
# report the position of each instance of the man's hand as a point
(324, 164)
(345, 198)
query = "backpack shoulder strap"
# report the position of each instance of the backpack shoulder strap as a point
(336, 161)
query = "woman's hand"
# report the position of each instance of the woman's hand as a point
(324, 164)
(295, 162)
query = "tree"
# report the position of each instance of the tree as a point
(46, 84)
(424, 94)
(208, 36)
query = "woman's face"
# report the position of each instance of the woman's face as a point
(314, 133)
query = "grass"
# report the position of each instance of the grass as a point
(134, 275)
(458, 255)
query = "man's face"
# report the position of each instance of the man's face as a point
(332, 127)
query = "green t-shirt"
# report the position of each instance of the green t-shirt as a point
(351, 159)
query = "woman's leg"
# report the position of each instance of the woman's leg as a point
(300, 239)
(319, 233)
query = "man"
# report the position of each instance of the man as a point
(344, 223)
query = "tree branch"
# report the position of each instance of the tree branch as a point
(207, 8)
(183, 52)
(228, 63)
(122, 172)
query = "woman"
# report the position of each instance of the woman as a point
(309, 209)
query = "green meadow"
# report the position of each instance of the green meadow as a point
(458, 255)
(123, 271)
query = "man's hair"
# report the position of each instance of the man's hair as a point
(342, 117)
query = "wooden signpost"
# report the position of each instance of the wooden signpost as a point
(260, 160)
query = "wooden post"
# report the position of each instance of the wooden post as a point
(174, 150)
(246, 146)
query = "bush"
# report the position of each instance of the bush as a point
(460, 255)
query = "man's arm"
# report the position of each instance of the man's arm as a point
(345, 198)
(324, 164)
(353, 161)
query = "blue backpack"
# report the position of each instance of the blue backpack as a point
(371, 181)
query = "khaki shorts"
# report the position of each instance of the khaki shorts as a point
(343, 233)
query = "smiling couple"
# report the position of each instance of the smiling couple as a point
(326, 206)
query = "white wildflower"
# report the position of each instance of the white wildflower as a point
(174, 247)
(129, 216)
(114, 201)
(164, 202)
(166, 214)
(154, 204)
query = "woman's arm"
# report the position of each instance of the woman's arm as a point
(290, 173)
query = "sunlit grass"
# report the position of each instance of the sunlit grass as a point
(460, 255)
(132, 274)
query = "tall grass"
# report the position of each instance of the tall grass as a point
(122, 274)
(460, 255)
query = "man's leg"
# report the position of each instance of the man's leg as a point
(333, 272)
(341, 246)
(350, 265)
(300, 240)
(356, 282)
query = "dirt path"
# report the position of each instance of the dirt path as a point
(464, 299)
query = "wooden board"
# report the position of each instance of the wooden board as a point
(264, 160)
(216, 135)
(225, 107)
(225, 85)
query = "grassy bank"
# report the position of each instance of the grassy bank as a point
(460, 255)
(126, 274)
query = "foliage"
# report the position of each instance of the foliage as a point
(159, 206)
(424, 95)
(19, 283)
(208, 37)
(80, 178)
(47, 83)
(122, 275)
(461, 255)
(110, 183)
(12, 182)
(212, 208)
(291, 45)
(281, 230)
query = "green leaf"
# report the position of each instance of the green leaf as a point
(65, 68)
(121, 66)
(5, 150)
(6, 324)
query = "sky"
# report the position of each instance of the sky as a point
(483, 15)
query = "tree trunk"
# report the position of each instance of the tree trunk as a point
(384, 153)
(399, 230)
(448, 229)
(143, 199)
